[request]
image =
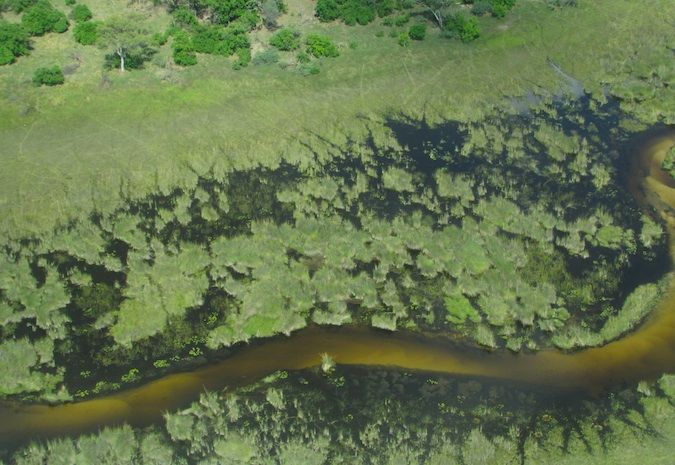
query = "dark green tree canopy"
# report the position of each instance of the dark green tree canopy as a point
(14, 42)
(42, 18)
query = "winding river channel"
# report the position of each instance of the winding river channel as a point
(643, 354)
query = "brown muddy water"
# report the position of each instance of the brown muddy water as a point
(643, 354)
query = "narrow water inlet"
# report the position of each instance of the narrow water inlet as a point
(643, 354)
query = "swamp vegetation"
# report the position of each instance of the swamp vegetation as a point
(479, 273)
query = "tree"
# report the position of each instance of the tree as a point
(437, 9)
(126, 36)
(13, 42)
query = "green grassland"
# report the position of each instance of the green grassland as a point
(90, 146)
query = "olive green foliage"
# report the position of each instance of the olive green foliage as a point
(81, 13)
(387, 417)
(286, 39)
(216, 40)
(42, 18)
(183, 49)
(17, 6)
(353, 12)
(463, 27)
(418, 31)
(321, 46)
(266, 57)
(52, 76)
(669, 162)
(86, 33)
(14, 42)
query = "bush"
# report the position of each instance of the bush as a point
(42, 18)
(353, 11)
(14, 42)
(321, 46)
(48, 76)
(266, 57)
(243, 58)
(271, 10)
(402, 20)
(86, 33)
(418, 31)
(481, 8)
(70, 2)
(18, 6)
(303, 58)
(216, 40)
(286, 39)
(184, 17)
(81, 13)
(404, 39)
(309, 69)
(501, 7)
(228, 11)
(183, 50)
(464, 28)
(327, 10)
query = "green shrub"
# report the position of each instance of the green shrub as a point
(481, 8)
(501, 7)
(266, 57)
(462, 27)
(309, 69)
(353, 12)
(227, 11)
(286, 39)
(18, 6)
(14, 42)
(418, 31)
(404, 39)
(401, 20)
(81, 13)
(48, 76)
(327, 10)
(243, 58)
(321, 46)
(217, 40)
(70, 2)
(303, 57)
(183, 50)
(388, 21)
(184, 17)
(86, 33)
(42, 18)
